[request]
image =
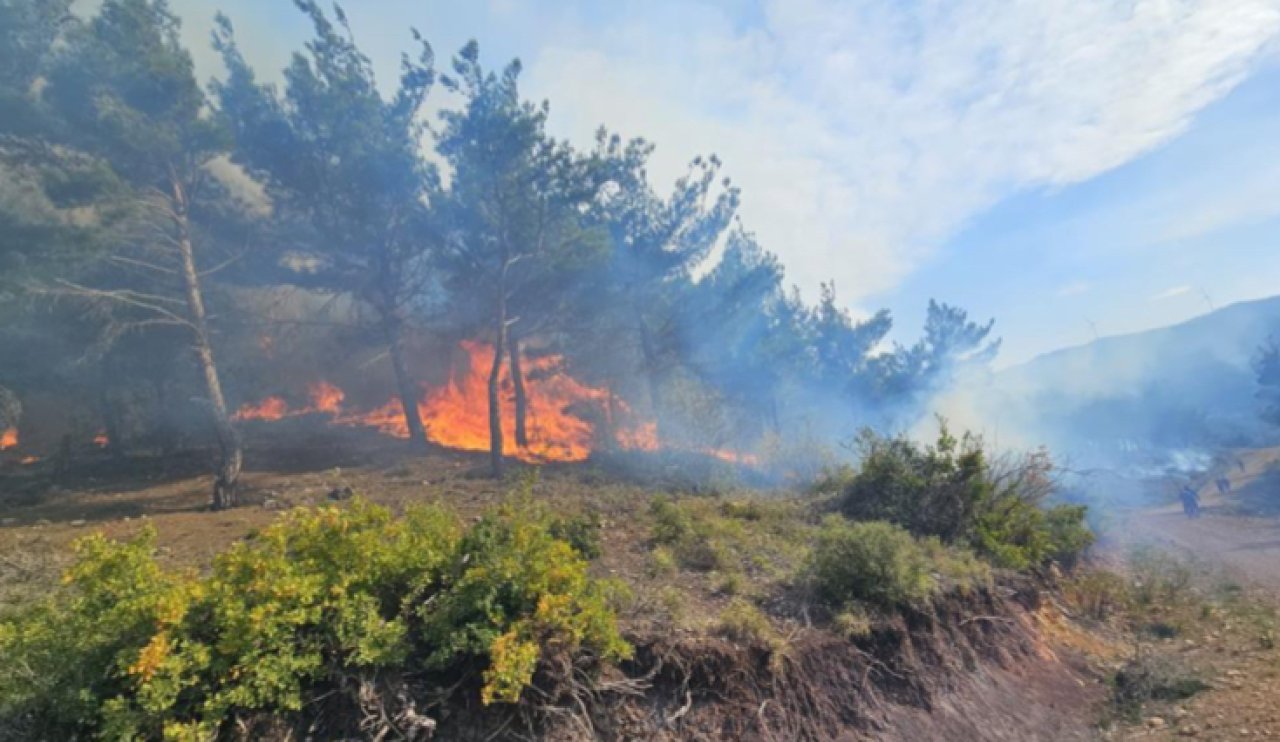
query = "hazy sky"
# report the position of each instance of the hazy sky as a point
(1049, 163)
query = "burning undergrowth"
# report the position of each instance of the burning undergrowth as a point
(549, 414)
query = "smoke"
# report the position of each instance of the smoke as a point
(1123, 412)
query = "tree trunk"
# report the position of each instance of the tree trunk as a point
(522, 400)
(231, 456)
(495, 396)
(394, 330)
(495, 374)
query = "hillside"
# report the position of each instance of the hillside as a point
(1187, 387)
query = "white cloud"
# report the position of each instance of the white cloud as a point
(864, 133)
(1171, 293)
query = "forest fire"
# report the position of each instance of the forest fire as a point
(562, 413)
(8, 439)
(101, 440)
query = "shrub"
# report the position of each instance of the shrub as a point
(741, 621)
(661, 562)
(63, 656)
(874, 562)
(933, 490)
(1098, 594)
(951, 490)
(581, 531)
(852, 623)
(1069, 536)
(514, 590)
(956, 567)
(1149, 678)
(128, 650)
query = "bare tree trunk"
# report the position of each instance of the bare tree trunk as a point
(227, 478)
(394, 330)
(522, 400)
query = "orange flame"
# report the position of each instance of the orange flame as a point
(325, 397)
(558, 419)
(456, 415)
(28, 460)
(271, 408)
(101, 440)
(8, 438)
(643, 437)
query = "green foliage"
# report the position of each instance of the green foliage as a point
(130, 650)
(951, 490)
(1069, 534)
(581, 531)
(874, 562)
(852, 622)
(761, 538)
(934, 490)
(514, 589)
(61, 658)
(956, 567)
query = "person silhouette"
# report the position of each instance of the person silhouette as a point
(1190, 501)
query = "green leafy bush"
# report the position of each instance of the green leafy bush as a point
(874, 562)
(953, 491)
(128, 650)
(1069, 535)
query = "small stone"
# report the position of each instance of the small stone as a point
(1156, 722)
(1190, 731)
(1234, 674)
(1180, 713)
(77, 523)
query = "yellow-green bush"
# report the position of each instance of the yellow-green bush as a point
(129, 650)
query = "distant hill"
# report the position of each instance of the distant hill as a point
(1186, 386)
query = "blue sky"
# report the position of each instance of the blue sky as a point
(1048, 163)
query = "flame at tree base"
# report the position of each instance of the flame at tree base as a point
(562, 416)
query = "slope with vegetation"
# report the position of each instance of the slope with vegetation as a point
(574, 606)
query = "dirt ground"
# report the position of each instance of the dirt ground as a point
(1237, 538)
